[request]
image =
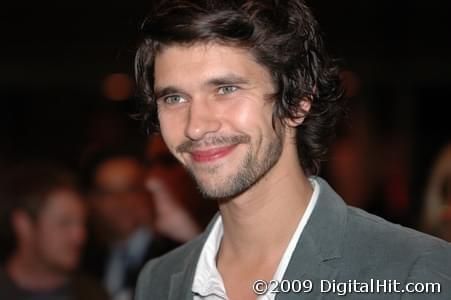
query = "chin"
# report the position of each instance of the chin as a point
(224, 192)
(70, 266)
(67, 264)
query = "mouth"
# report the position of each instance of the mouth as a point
(210, 155)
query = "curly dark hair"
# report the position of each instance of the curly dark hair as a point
(283, 36)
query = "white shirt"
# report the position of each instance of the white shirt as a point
(208, 283)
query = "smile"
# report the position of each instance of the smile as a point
(203, 156)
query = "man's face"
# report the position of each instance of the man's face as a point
(59, 232)
(216, 116)
(120, 199)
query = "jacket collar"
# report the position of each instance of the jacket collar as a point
(320, 245)
(182, 281)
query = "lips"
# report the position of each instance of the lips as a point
(210, 155)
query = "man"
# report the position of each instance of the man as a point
(246, 99)
(46, 217)
(122, 216)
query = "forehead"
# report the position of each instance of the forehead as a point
(63, 201)
(202, 61)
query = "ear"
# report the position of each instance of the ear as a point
(22, 224)
(303, 108)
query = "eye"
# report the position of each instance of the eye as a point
(227, 89)
(173, 99)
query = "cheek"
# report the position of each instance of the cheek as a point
(77, 233)
(251, 118)
(172, 133)
(169, 128)
(50, 240)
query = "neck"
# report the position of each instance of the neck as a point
(28, 273)
(259, 223)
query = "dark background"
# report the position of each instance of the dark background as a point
(54, 59)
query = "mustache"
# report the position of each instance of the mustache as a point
(189, 145)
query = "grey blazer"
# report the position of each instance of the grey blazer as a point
(340, 244)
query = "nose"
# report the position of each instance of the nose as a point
(202, 120)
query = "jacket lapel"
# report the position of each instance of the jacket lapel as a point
(320, 244)
(182, 281)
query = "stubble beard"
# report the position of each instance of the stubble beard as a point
(251, 170)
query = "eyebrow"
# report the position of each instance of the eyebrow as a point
(160, 92)
(226, 79)
(216, 81)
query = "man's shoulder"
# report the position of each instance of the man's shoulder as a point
(378, 231)
(87, 287)
(374, 241)
(172, 259)
(359, 234)
(158, 271)
(5, 282)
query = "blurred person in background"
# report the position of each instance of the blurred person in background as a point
(437, 203)
(180, 212)
(45, 219)
(367, 163)
(122, 215)
(369, 169)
